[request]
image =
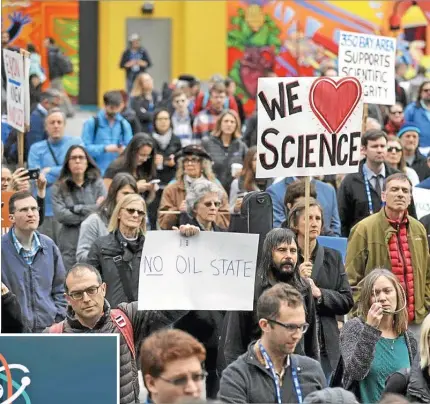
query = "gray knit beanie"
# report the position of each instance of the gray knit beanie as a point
(329, 395)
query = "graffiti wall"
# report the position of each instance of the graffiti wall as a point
(297, 38)
(31, 22)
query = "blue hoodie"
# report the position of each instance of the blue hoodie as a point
(39, 156)
(119, 134)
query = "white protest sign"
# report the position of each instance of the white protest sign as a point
(209, 271)
(422, 201)
(308, 126)
(17, 89)
(372, 59)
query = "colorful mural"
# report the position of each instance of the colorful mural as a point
(31, 22)
(297, 38)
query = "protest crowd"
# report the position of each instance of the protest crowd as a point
(337, 325)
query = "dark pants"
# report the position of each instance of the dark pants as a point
(326, 367)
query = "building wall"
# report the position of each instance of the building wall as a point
(199, 30)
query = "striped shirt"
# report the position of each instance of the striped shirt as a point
(28, 255)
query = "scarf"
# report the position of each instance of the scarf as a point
(188, 181)
(163, 140)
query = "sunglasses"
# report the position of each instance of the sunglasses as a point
(394, 149)
(182, 381)
(210, 203)
(132, 211)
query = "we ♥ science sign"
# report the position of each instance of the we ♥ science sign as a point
(308, 126)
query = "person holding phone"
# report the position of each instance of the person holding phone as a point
(138, 159)
(21, 180)
(378, 342)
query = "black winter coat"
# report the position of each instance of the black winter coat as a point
(111, 256)
(352, 199)
(328, 273)
(240, 328)
(144, 109)
(53, 65)
(168, 173)
(144, 323)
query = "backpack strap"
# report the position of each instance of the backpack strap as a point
(205, 99)
(96, 127)
(57, 328)
(125, 327)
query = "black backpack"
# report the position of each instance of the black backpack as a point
(255, 217)
(65, 65)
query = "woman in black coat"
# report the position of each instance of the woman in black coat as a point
(325, 273)
(203, 201)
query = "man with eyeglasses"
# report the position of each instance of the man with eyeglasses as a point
(171, 364)
(32, 267)
(90, 312)
(269, 372)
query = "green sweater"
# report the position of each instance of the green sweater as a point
(390, 356)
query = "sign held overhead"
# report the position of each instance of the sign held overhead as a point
(307, 126)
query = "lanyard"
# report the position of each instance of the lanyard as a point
(367, 186)
(296, 383)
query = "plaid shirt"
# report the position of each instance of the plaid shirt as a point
(204, 123)
(28, 255)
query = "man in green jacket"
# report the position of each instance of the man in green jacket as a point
(394, 240)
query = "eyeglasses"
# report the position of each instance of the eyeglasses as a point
(79, 294)
(132, 211)
(394, 149)
(33, 209)
(182, 381)
(193, 160)
(396, 112)
(291, 328)
(208, 204)
(76, 158)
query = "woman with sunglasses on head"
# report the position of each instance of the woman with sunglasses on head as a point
(395, 119)
(194, 164)
(377, 343)
(95, 225)
(395, 159)
(78, 192)
(326, 275)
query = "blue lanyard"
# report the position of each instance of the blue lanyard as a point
(367, 186)
(296, 383)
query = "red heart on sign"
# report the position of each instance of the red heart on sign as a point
(333, 102)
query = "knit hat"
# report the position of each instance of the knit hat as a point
(334, 395)
(408, 127)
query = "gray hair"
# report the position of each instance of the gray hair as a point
(374, 123)
(198, 190)
(49, 95)
(55, 111)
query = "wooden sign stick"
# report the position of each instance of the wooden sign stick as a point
(24, 53)
(307, 200)
(365, 115)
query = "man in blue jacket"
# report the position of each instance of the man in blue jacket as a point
(326, 196)
(106, 135)
(48, 155)
(32, 267)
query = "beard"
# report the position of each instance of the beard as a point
(284, 271)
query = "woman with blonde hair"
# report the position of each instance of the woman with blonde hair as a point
(377, 343)
(414, 383)
(194, 164)
(226, 148)
(144, 100)
(117, 255)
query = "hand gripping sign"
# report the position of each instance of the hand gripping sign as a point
(308, 126)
